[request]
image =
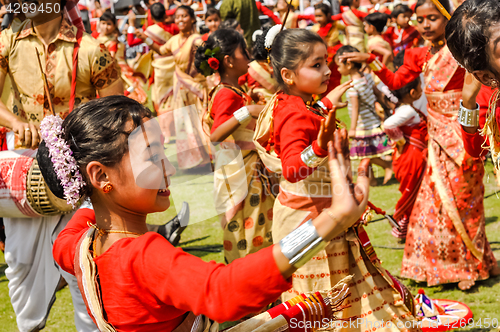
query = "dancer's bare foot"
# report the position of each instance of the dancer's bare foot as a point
(495, 271)
(388, 175)
(466, 284)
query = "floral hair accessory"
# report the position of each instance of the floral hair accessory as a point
(62, 157)
(271, 35)
(209, 66)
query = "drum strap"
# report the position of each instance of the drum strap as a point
(79, 35)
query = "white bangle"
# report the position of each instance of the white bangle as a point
(243, 115)
(149, 41)
(131, 29)
(467, 117)
(310, 158)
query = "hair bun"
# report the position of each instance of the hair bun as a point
(47, 168)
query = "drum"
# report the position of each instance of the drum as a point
(23, 191)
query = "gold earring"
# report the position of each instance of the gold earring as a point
(494, 84)
(107, 188)
(291, 82)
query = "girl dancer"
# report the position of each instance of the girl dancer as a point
(247, 224)
(446, 240)
(109, 37)
(189, 88)
(408, 129)
(108, 141)
(290, 137)
(368, 138)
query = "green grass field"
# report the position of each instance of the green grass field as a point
(484, 298)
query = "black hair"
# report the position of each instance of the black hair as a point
(212, 11)
(468, 33)
(378, 20)
(346, 3)
(227, 41)
(399, 59)
(259, 51)
(290, 48)
(188, 9)
(445, 3)
(405, 90)
(108, 16)
(230, 23)
(325, 9)
(349, 49)
(158, 11)
(94, 131)
(400, 9)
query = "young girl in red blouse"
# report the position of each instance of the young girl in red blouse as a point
(446, 240)
(291, 137)
(246, 214)
(135, 280)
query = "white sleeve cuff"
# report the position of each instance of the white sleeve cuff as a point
(131, 29)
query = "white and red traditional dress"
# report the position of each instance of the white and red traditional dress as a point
(285, 128)
(446, 240)
(247, 224)
(408, 127)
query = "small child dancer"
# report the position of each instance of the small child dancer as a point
(403, 35)
(374, 26)
(247, 223)
(290, 138)
(408, 129)
(368, 138)
(109, 37)
(212, 21)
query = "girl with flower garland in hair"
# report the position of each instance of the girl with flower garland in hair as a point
(446, 240)
(231, 119)
(118, 151)
(189, 88)
(291, 136)
(109, 37)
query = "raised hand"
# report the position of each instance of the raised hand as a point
(354, 57)
(335, 96)
(327, 128)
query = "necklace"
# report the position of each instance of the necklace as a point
(437, 46)
(101, 232)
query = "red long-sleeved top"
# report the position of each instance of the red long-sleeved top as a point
(414, 61)
(473, 142)
(149, 285)
(225, 103)
(295, 128)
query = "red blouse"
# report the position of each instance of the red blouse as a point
(414, 61)
(149, 285)
(225, 103)
(295, 128)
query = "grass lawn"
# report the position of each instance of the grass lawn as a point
(484, 298)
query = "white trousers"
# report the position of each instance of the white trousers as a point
(34, 275)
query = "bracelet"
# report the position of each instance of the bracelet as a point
(243, 115)
(149, 41)
(376, 65)
(131, 29)
(302, 244)
(467, 117)
(322, 105)
(310, 158)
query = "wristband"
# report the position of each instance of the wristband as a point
(467, 117)
(149, 41)
(310, 158)
(243, 115)
(302, 244)
(131, 29)
(376, 65)
(323, 106)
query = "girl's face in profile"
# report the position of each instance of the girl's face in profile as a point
(141, 179)
(312, 75)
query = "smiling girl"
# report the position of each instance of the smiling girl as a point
(231, 119)
(291, 137)
(135, 280)
(446, 240)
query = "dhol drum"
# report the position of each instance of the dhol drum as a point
(23, 191)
